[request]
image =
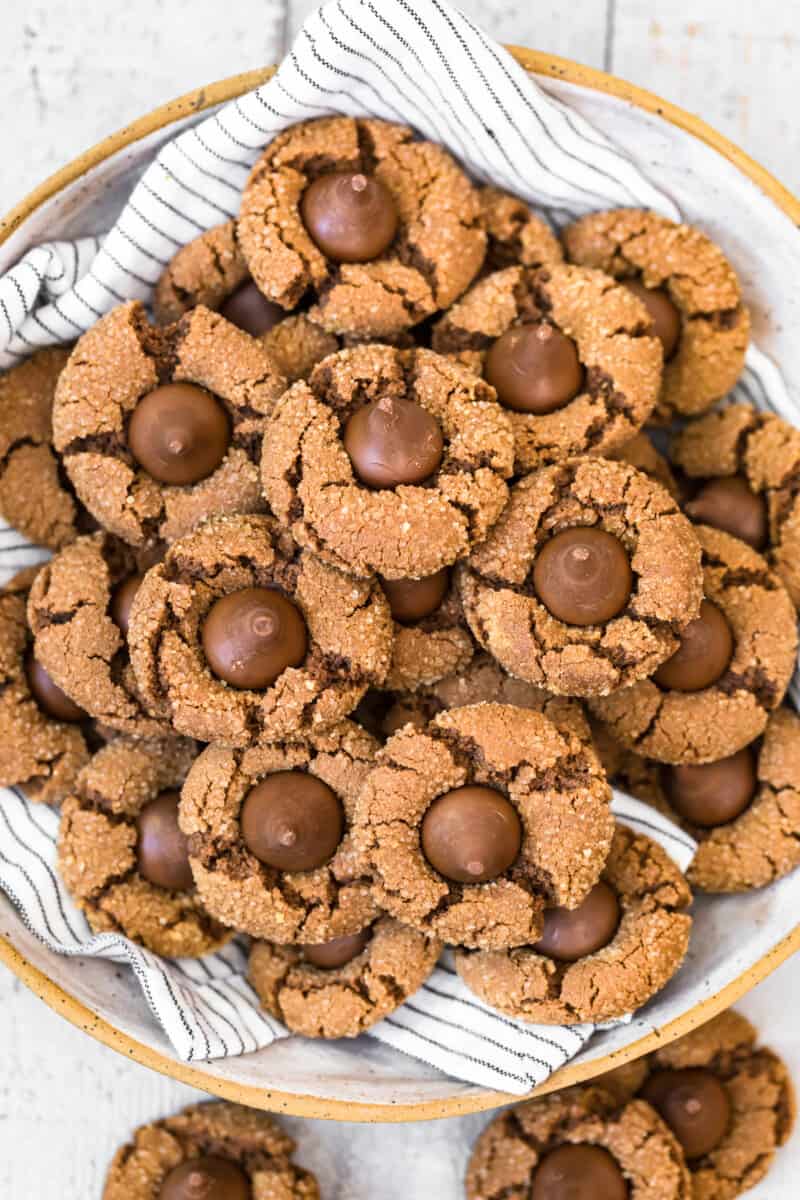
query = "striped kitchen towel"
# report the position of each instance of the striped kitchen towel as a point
(208, 1010)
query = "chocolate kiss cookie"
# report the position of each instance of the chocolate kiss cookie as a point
(545, 817)
(333, 636)
(603, 959)
(344, 986)
(729, 1102)
(569, 352)
(156, 428)
(577, 1144)
(313, 472)
(122, 856)
(43, 735)
(78, 610)
(748, 465)
(699, 726)
(640, 453)
(534, 620)
(691, 292)
(34, 497)
(212, 1144)
(431, 639)
(517, 237)
(243, 810)
(381, 228)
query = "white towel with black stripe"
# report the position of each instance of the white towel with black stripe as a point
(208, 1010)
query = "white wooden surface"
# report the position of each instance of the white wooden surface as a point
(77, 70)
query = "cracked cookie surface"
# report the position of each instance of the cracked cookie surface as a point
(702, 726)
(438, 248)
(114, 365)
(635, 244)
(430, 648)
(552, 778)
(506, 1155)
(98, 849)
(645, 952)
(640, 453)
(508, 619)
(347, 620)
(313, 906)
(250, 1139)
(408, 530)
(621, 360)
(345, 1000)
(516, 235)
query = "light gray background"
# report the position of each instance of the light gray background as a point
(76, 70)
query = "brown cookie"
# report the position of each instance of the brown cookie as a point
(223, 824)
(761, 451)
(331, 999)
(255, 1153)
(659, 721)
(748, 1105)
(640, 453)
(431, 638)
(516, 236)
(478, 870)
(77, 611)
(34, 496)
(111, 416)
(121, 855)
(342, 632)
(638, 924)
(655, 554)
(39, 752)
(368, 417)
(632, 1153)
(697, 305)
(380, 283)
(595, 389)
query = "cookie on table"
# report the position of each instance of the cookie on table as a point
(388, 461)
(585, 581)
(382, 228)
(122, 856)
(431, 638)
(344, 986)
(516, 236)
(748, 465)
(603, 959)
(473, 824)
(236, 635)
(729, 1102)
(732, 668)
(78, 611)
(161, 427)
(691, 293)
(43, 734)
(640, 453)
(577, 1144)
(209, 1150)
(269, 832)
(569, 352)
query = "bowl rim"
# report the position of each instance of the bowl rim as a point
(300, 1105)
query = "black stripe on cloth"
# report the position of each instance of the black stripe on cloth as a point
(155, 228)
(23, 911)
(484, 1037)
(79, 296)
(347, 75)
(232, 162)
(65, 318)
(53, 257)
(186, 187)
(18, 289)
(107, 287)
(176, 145)
(182, 1015)
(490, 1012)
(760, 400)
(250, 121)
(392, 1020)
(202, 1020)
(75, 260)
(250, 1011)
(37, 317)
(762, 388)
(221, 1016)
(28, 849)
(127, 271)
(242, 145)
(12, 331)
(162, 262)
(682, 841)
(171, 208)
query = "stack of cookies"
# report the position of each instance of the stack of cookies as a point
(367, 579)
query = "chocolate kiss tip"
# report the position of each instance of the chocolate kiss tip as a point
(264, 625)
(288, 837)
(358, 183)
(475, 868)
(581, 553)
(176, 445)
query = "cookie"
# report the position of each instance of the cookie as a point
(431, 638)
(476, 822)
(237, 636)
(345, 986)
(34, 496)
(748, 465)
(730, 1103)
(516, 236)
(640, 453)
(382, 228)
(715, 695)
(604, 959)
(269, 835)
(577, 1142)
(212, 1148)
(389, 461)
(586, 580)
(78, 612)
(161, 427)
(121, 854)
(691, 292)
(43, 735)
(569, 352)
